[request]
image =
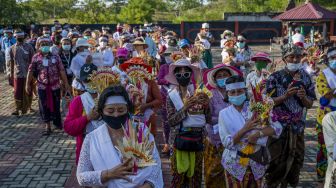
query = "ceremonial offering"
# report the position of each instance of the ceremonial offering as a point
(137, 72)
(261, 105)
(135, 144)
(103, 78)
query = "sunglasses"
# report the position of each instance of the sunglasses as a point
(185, 75)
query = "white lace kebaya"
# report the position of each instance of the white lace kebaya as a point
(99, 153)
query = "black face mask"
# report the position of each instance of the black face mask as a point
(20, 39)
(183, 81)
(121, 61)
(115, 122)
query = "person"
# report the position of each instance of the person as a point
(87, 34)
(8, 40)
(184, 47)
(240, 132)
(298, 38)
(215, 79)
(206, 38)
(227, 35)
(82, 116)
(151, 46)
(329, 133)
(260, 74)
(105, 53)
(121, 56)
(83, 56)
(326, 86)
(116, 35)
(20, 55)
(66, 57)
(100, 162)
(244, 54)
(139, 47)
(45, 34)
(48, 70)
(166, 60)
(293, 93)
(151, 94)
(188, 118)
(55, 48)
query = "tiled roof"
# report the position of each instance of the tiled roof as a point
(307, 11)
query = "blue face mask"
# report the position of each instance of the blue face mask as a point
(237, 100)
(66, 47)
(241, 45)
(332, 64)
(45, 49)
(6, 35)
(221, 82)
(86, 37)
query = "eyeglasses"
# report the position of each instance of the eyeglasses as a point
(185, 75)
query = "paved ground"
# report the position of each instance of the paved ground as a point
(29, 160)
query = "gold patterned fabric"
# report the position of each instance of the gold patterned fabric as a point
(213, 169)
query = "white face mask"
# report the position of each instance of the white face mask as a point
(293, 66)
(103, 44)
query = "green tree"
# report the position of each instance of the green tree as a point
(138, 11)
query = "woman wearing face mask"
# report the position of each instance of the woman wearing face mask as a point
(326, 86)
(215, 79)
(83, 56)
(81, 118)
(243, 55)
(166, 60)
(122, 56)
(187, 115)
(45, 34)
(48, 70)
(293, 92)
(100, 162)
(260, 73)
(105, 54)
(237, 130)
(66, 57)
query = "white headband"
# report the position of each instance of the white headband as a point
(115, 100)
(237, 85)
(7, 31)
(19, 34)
(332, 53)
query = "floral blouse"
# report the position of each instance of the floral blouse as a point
(47, 76)
(230, 158)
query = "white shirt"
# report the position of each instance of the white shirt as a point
(298, 37)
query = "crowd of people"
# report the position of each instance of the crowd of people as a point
(238, 123)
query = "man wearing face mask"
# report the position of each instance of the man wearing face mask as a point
(20, 55)
(104, 52)
(7, 41)
(55, 48)
(326, 86)
(66, 57)
(259, 75)
(205, 38)
(293, 93)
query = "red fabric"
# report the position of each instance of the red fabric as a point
(19, 86)
(75, 123)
